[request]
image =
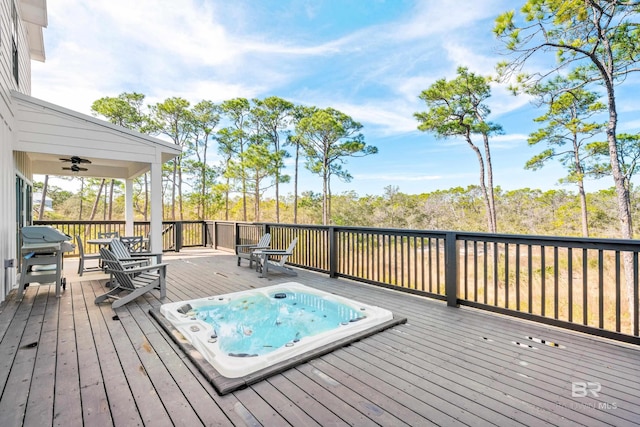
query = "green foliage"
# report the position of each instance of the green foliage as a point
(567, 129)
(124, 110)
(456, 107)
(328, 137)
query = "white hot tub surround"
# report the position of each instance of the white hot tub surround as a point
(199, 333)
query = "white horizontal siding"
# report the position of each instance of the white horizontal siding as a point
(10, 162)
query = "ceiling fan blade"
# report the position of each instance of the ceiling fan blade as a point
(75, 168)
(76, 160)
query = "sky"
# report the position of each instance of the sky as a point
(370, 59)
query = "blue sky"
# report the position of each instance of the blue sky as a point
(367, 58)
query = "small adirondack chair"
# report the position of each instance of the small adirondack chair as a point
(122, 253)
(246, 251)
(135, 280)
(275, 259)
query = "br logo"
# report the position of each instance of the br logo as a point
(583, 389)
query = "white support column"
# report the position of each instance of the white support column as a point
(128, 207)
(156, 207)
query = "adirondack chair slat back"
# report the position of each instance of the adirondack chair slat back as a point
(124, 280)
(119, 249)
(292, 245)
(289, 251)
(264, 241)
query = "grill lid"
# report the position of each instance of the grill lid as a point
(42, 234)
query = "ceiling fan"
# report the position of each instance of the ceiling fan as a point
(75, 168)
(75, 160)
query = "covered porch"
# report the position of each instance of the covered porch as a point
(66, 361)
(58, 141)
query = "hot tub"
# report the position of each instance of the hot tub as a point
(243, 333)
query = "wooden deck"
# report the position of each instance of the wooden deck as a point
(65, 361)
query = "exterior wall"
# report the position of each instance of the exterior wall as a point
(10, 164)
(7, 209)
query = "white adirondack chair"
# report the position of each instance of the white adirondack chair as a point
(275, 259)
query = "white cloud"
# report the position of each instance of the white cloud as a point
(387, 119)
(448, 16)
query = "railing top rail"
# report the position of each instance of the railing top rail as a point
(632, 245)
(541, 240)
(85, 221)
(560, 241)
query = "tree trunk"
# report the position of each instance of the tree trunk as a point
(104, 205)
(329, 219)
(81, 199)
(483, 187)
(244, 184)
(226, 202)
(581, 192)
(203, 193)
(146, 196)
(278, 195)
(226, 195)
(624, 211)
(256, 194)
(111, 201)
(583, 208)
(173, 190)
(492, 204)
(244, 196)
(181, 209)
(43, 199)
(96, 202)
(202, 208)
(295, 186)
(325, 179)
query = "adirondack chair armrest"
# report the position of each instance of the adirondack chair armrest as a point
(246, 246)
(136, 270)
(145, 254)
(250, 247)
(273, 252)
(134, 259)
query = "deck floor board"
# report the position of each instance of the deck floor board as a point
(446, 366)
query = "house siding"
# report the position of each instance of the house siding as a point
(10, 163)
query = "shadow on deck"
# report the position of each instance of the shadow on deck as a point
(66, 361)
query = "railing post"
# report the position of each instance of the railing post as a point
(333, 252)
(451, 269)
(178, 235)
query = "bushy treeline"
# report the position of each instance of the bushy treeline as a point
(522, 211)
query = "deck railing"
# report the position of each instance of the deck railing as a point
(590, 285)
(175, 234)
(575, 283)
